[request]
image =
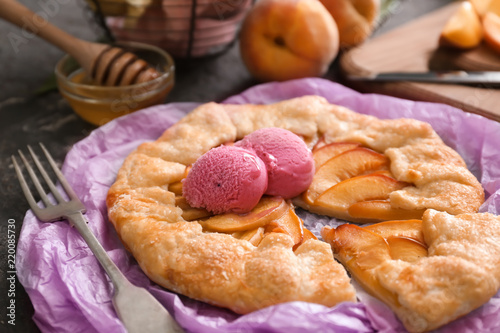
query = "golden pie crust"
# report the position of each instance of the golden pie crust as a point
(219, 269)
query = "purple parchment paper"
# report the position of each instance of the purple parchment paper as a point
(71, 293)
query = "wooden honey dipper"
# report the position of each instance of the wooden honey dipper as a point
(104, 64)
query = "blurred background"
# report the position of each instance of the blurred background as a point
(25, 71)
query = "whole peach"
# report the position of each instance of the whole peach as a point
(288, 39)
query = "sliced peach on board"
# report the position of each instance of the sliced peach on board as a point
(463, 30)
(348, 164)
(361, 251)
(267, 210)
(382, 210)
(491, 26)
(407, 228)
(361, 188)
(406, 249)
(480, 6)
(323, 154)
(290, 224)
(189, 213)
(493, 6)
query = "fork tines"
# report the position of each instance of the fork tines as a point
(41, 213)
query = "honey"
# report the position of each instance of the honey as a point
(100, 104)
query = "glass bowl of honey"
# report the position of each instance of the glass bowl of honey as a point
(99, 104)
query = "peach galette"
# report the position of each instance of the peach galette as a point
(367, 170)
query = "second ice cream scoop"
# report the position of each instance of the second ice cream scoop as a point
(289, 163)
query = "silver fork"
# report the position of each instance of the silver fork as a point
(136, 307)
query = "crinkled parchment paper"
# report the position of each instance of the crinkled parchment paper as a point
(71, 293)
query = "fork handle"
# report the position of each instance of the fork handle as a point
(117, 277)
(139, 311)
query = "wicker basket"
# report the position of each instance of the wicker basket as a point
(184, 28)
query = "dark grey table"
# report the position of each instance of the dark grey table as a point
(28, 118)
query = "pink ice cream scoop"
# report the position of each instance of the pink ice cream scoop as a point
(289, 163)
(226, 179)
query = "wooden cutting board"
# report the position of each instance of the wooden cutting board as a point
(414, 47)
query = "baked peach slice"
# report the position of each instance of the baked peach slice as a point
(190, 213)
(407, 228)
(267, 210)
(348, 164)
(308, 235)
(176, 187)
(361, 251)
(320, 143)
(382, 210)
(326, 152)
(289, 224)
(405, 238)
(254, 236)
(373, 186)
(406, 249)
